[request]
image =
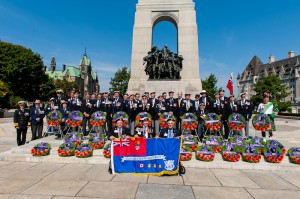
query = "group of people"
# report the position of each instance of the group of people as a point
(133, 105)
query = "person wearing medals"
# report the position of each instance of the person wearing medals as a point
(21, 123)
(145, 131)
(169, 132)
(201, 113)
(37, 115)
(245, 109)
(117, 104)
(144, 106)
(160, 108)
(119, 131)
(132, 111)
(270, 110)
(65, 110)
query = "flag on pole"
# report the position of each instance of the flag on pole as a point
(230, 84)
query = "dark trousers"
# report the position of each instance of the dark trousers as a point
(178, 123)
(109, 125)
(84, 121)
(226, 129)
(37, 131)
(21, 136)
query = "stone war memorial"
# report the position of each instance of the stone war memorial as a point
(154, 69)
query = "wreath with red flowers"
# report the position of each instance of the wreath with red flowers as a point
(212, 121)
(294, 155)
(164, 117)
(74, 118)
(231, 156)
(66, 149)
(75, 138)
(186, 156)
(41, 149)
(96, 140)
(215, 142)
(205, 153)
(139, 119)
(98, 119)
(84, 151)
(106, 150)
(189, 121)
(261, 122)
(236, 122)
(54, 118)
(120, 115)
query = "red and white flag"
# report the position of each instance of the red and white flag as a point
(230, 84)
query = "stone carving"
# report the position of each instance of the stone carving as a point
(163, 64)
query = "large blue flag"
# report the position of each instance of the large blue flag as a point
(146, 156)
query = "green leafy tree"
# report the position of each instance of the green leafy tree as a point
(23, 71)
(65, 85)
(209, 84)
(273, 85)
(120, 81)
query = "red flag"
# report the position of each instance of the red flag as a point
(230, 84)
(131, 147)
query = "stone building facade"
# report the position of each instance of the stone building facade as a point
(83, 75)
(286, 69)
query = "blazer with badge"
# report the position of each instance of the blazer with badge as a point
(184, 108)
(164, 133)
(21, 118)
(65, 111)
(117, 105)
(144, 107)
(106, 106)
(199, 113)
(218, 107)
(153, 103)
(161, 107)
(49, 108)
(35, 113)
(76, 104)
(172, 105)
(207, 102)
(245, 109)
(131, 110)
(115, 132)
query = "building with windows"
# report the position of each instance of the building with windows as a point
(286, 69)
(83, 75)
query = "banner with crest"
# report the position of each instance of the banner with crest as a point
(146, 156)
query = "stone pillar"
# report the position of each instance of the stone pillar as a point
(182, 14)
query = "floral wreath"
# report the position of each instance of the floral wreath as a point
(164, 117)
(212, 121)
(106, 150)
(261, 122)
(277, 144)
(120, 115)
(84, 151)
(54, 118)
(236, 122)
(252, 154)
(186, 155)
(75, 138)
(190, 143)
(205, 153)
(139, 119)
(98, 118)
(66, 149)
(237, 139)
(215, 142)
(96, 140)
(231, 156)
(294, 155)
(189, 121)
(74, 118)
(273, 153)
(41, 149)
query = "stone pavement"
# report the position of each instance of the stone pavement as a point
(80, 180)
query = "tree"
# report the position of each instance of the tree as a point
(65, 85)
(273, 85)
(120, 81)
(209, 84)
(22, 70)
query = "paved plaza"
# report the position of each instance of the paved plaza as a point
(26, 179)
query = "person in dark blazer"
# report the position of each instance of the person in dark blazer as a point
(76, 102)
(172, 104)
(21, 122)
(178, 119)
(37, 115)
(153, 102)
(201, 113)
(65, 110)
(119, 131)
(51, 106)
(187, 105)
(144, 131)
(160, 108)
(144, 106)
(106, 106)
(87, 111)
(59, 97)
(230, 107)
(244, 107)
(117, 103)
(170, 132)
(206, 100)
(218, 107)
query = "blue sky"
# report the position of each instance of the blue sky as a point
(230, 32)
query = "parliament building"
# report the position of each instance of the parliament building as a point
(286, 69)
(83, 75)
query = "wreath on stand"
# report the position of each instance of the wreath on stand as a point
(120, 115)
(215, 142)
(54, 118)
(139, 119)
(164, 117)
(236, 122)
(189, 121)
(294, 155)
(98, 119)
(212, 121)
(66, 150)
(205, 153)
(96, 140)
(74, 118)
(41, 149)
(261, 122)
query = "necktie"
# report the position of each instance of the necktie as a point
(65, 109)
(120, 132)
(179, 100)
(231, 104)
(153, 102)
(171, 101)
(170, 133)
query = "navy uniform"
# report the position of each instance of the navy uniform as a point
(37, 115)
(51, 106)
(132, 111)
(21, 123)
(206, 100)
(144, 131)
(106, 106)
(87, 111)
(118, 132)
(59, 97)
(172, 105)
(65, 110)
(229, 108)
(201, 113)
(187, 106)
(245, 109)
(144, 106)
(117, 105)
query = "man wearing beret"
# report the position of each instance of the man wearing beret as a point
(187, 105)
(21, 123)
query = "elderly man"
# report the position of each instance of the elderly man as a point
(169, 132)
(244, 107)
(120, 131)
(37, 115)
(21, 123)
(144, 131)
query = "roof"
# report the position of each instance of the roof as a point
(73, 71)
(85, 60)
(70, 70)
(94, 75)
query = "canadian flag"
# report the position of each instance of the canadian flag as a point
(230, 84)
